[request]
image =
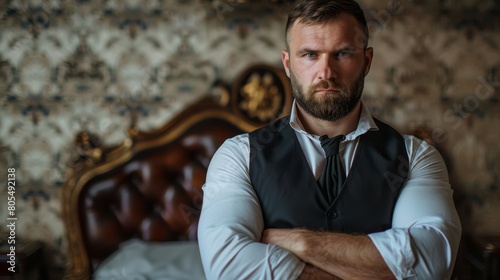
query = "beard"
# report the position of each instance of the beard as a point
(329, 107)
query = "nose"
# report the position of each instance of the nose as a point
(326, 68)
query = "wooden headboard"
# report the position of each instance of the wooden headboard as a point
(149, 186)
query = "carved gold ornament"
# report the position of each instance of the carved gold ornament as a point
(261, 97)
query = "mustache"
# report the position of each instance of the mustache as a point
(328, 85)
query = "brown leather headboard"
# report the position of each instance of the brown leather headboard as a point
(149, 187)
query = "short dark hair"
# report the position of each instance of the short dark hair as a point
(322, 11)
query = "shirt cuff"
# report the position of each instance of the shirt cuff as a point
(395, 247)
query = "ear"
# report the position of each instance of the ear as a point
(285, 58)
(368, 59)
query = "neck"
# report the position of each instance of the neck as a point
(331, 128)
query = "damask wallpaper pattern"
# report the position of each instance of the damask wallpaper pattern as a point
(102, 66)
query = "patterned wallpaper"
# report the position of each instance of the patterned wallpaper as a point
(102, 66)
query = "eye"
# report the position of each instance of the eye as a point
(310, 55)
(343, 53)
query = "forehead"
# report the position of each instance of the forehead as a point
(342, 29)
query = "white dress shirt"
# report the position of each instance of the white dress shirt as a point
(422, 243)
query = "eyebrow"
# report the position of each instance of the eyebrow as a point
(310, 50)
(305, 50)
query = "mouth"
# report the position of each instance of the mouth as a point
(327, 90)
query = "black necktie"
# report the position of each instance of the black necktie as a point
(333, 176)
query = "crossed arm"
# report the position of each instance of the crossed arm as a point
(235, 245)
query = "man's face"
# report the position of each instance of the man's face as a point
(327, 64)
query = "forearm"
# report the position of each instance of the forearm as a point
(343, 255)
(347, 256)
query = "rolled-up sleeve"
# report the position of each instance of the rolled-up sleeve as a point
(425, 234)
(231, 222)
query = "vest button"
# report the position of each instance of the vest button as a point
(332, 215)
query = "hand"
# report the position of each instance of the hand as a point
(288, 239)
(311, 272)
(292, 240)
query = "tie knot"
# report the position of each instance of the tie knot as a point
(331, 145)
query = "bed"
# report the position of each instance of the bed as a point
(135, 207)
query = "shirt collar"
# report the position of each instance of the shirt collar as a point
(365, 123)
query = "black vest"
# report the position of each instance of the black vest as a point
(291, 198)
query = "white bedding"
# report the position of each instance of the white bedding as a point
(140, 260)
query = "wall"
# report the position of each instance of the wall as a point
(68, 66)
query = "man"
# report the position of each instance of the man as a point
(270, 211)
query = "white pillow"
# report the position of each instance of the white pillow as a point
(140, 260)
